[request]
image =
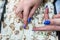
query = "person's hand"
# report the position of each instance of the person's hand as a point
(54, 25)
(26, 8)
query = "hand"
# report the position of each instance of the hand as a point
(54, 26)
(26, 8)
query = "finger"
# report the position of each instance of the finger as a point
(18, 11)
(44, 28)
(56, 16)
(25, 15)
(47, 28)
(20, 15)
(46, 15)
(18, 8)
(15, 7)
(54, 21)
(32, 11)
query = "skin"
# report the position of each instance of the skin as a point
(26, 8)
(54, 26)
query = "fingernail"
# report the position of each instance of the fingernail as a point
(29, 20)
(46, 6)
(24, 26)
(47, 22)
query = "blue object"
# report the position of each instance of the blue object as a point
(24, 26)
(29, 20)
(47, 6)
(47, 22)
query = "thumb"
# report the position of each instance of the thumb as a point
(52, 22)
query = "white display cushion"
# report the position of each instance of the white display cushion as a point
(12, 27)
